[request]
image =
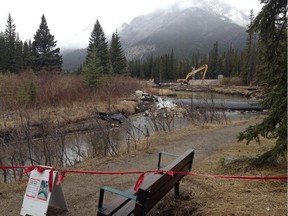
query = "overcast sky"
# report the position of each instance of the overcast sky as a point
(67, 19)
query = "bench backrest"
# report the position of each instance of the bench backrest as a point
(157, 186)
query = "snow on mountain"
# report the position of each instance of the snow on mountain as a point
(238, 16)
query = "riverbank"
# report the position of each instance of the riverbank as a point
(75, 115)
(250, 92)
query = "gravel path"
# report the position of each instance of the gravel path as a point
(82, 191)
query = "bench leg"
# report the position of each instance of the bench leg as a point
(100, 202)
(142, 202)
(177, 190)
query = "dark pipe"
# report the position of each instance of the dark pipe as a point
(247, 105)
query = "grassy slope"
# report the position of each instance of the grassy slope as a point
(212, 196)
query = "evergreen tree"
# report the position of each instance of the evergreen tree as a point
(18, 54)
(180, 69)
(92, 69)
(195, 60)
(220, 64)
(45, 55)
(98, 41)
(251, 53)
(2, 52)
(131, 68)
(213, 61)
(171, 67)
(10, 40)
(229, 61)
(27, 54)
(138, 68)
(135, 68)
(184, 68)
(155, 68)
(238, 62)
(146, 67)
(271, 23)
(79, 69)
(162, 69)
(117, 58)
(150, 67)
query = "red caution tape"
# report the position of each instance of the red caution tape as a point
(60, 177)
(139, 182)
(136, 187)
(237, 177)
(141, 177)
(170, 172)
(29, 169)
(50, 180)
(14, 167)
(41, 169)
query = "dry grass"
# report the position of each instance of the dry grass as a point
(126, 106)
(12, 187)
(63, 115)
(63, 99)
(212, 196)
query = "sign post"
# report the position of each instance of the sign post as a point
(38, 197)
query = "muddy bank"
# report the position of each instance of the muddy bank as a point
(253, 92)
(245, 91)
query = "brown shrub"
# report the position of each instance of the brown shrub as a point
(56, 89)
(114, 87)
(6, 90)
(117, 86)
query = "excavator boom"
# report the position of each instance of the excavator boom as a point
(190, 74)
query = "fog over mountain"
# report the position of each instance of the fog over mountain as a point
(187, 27)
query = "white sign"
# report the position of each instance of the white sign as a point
(38, 198)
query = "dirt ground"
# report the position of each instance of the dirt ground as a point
(199, 195)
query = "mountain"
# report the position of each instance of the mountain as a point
(185, 28)
(220, 7)
(188, 31)
(72, 59)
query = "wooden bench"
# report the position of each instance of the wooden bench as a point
(152, 190)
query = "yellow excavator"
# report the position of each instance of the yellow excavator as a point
(190, 74)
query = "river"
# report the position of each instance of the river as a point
(76, 147)
(143, 125)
